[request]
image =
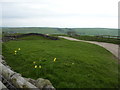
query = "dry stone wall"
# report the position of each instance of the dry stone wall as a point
(20, 82)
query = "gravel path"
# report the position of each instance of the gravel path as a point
(113, 48)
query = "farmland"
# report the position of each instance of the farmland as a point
(98, 39)
(80, 31)
(77, 64)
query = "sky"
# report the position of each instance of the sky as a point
(59, 13)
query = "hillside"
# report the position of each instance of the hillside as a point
(46, 30)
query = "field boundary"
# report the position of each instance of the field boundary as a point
(12, 79)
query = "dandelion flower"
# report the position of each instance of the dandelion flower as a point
(35, 66)
(54, 59)
(19, 49)
(15, 51)
(34, 62)
(40, 66)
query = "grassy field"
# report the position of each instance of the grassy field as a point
(77, 64)
(98, 39)
(33, 30)
(92, 38)
(81, 31)
(97, 31)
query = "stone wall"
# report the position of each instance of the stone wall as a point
(20, 82)
(15, 37)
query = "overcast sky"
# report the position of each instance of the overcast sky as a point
(60, 13)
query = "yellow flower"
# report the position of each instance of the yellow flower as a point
(35, 66)
(72, 63)
(34, 62)
(54, 59)
(19, 49)
(15, 51)
(40, 66)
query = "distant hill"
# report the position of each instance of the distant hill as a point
(47, 30)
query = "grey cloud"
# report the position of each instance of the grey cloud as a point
(24, 10)
(19, 11)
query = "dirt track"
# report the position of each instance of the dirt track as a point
(113, 48)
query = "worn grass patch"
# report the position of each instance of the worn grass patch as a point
(77, 64)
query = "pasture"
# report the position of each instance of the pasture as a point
(67, 64)
(80, 31)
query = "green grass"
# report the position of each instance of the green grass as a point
(97, 31)
(48, 30)
(92, 38)
(98, 39)
(78, 64)
(33, 30)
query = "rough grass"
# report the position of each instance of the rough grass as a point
(77, 65)
(98, 39)
(93, 38)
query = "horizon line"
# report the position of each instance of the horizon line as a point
(50, 27)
